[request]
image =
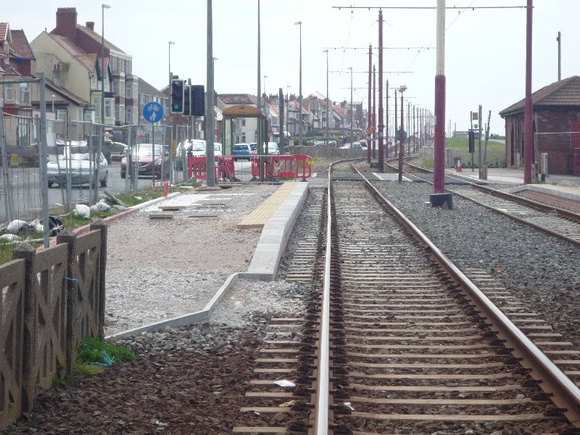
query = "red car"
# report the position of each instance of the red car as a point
(145, 163)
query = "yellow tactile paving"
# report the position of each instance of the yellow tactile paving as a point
(259, 217)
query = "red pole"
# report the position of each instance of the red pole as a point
(439, 134)
(369, 123)
(402, 147)
(387, 119)
(374, 112)
(528, 109)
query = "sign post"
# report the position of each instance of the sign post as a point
(153, 113)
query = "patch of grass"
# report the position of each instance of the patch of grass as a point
(460, 148)
(135, 198)
(98, 353)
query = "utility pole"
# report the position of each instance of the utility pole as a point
(351, 111)
(369, 115)
(381, 125)
(209, 108)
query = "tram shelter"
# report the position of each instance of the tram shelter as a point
(232, 113)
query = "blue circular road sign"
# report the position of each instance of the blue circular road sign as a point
(153, 112)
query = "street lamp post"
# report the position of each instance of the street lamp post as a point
(402, 89)
(299, 23)
(173, 133)
(103, 7)
(265, 77)
(327, 102)
(101, 142)
(351, 114)
(170, 44)
(288, 111)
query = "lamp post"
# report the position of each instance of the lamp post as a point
(402, 89)
(265, 77)
(173, 133)
(103, 7)
(53, 103)
(327, 101)
(170, 44)
(299, 23)
(351, 117)
(288, 110)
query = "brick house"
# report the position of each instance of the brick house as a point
(556, 115)
(16, 57)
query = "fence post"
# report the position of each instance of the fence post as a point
(27, 253)
(99, 224)
(72, 327)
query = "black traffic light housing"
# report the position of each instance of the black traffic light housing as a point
(177, 88)
(187, 100)
(471, 136)
(197, 100)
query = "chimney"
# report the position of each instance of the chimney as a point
(66, 22)
(91, 25)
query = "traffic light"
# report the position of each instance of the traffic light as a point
(187, 100)
(471, 135)
(177, 96)
(197, 100)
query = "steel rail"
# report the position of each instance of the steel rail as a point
(322, 387)
(565, 393)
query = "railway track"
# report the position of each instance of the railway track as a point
(544, 216)
(410, 348)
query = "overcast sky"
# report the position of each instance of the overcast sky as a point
(485, 48)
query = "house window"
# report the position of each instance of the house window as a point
(128, 115)
(24, 94)
(97, 104)
(9, 93)
(108, 108)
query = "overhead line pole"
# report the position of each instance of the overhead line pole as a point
(381, 125)
(369, 115)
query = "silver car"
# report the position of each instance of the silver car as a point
(79, 168)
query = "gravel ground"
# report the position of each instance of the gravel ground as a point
(191, 380)
(541, 270)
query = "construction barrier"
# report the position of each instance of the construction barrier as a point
(275, 166)
(283, 166)
(196, 167)
(304, 166)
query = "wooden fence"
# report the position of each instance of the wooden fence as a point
(50, 300)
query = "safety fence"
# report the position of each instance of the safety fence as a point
(51, 299)
(275, 166)
(22, 182)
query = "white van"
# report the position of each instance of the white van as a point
(273, 148)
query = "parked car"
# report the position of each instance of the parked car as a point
(146, 164)
(118, 151)
(356, 146)
(242, 151)
(79, 168)
(273, 148)
(254, 148)
(196, 148)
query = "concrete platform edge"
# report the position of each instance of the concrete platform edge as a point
(276, 232)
